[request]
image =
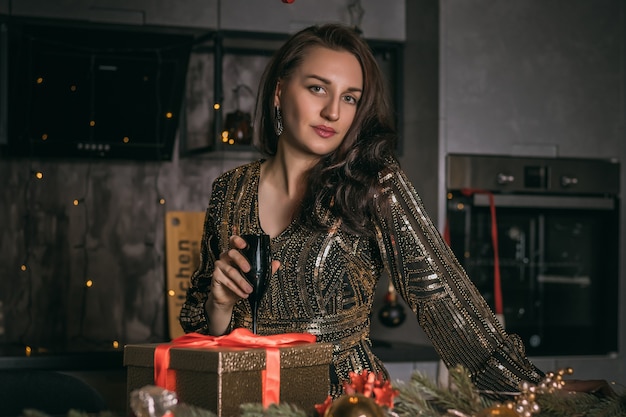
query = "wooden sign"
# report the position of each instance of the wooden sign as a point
(183, 232)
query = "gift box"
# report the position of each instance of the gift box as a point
(220, 379)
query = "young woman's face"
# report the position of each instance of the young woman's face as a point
(318, 101)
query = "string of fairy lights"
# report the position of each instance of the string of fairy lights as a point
(24, 267)
(37, 174)
(88, 282)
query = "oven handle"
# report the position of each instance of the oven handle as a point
(545, 201)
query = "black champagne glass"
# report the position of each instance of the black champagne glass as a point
(259, 256)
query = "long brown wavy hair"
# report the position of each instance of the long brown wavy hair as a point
(345, 180)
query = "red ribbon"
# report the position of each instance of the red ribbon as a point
(497, 281)
(497, 284)
(238, 338)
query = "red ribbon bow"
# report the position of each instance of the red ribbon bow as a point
(242, 338)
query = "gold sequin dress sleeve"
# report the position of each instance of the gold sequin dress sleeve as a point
(449, 308)
(327, 279)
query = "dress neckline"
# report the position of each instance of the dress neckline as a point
(287, 230)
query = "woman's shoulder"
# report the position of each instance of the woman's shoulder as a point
(393, 179)
(391, 168)
(238, 172)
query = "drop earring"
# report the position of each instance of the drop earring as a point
(278, 121)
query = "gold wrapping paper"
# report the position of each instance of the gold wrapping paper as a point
(221, 379)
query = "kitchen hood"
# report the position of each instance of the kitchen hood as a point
(92, 91)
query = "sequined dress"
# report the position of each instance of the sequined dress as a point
(326, 283)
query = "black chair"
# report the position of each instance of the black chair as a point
(50, 392)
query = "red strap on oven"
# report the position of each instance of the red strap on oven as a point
(497, 284)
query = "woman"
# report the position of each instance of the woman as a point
(340, 212)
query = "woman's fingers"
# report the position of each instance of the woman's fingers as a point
(228, 284)
(237, 242)
(237, 259)
(228, 281)
(275, 266)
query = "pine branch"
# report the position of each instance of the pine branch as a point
(581, 404)
(413, 400)
(467, 391)
(564, 404)
(422, 397)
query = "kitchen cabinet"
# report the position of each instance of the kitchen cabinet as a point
(237, 37)
(532, 79)
(380, 20)
(188, 13)
(223, 76)
(383, 20)
(222, 80)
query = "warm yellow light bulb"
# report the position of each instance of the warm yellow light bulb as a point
(231, 141)
(76, 202)
(125, 139)
(39, 175)
(169, 115)
(44, 136)
(89, 283)
(23, 267)
(116, 344)
(171, 293)
(92, 123)
(449, 196)
(72, 88)
(216, 106)
(28, 350)
(161, 201)
(39, 80)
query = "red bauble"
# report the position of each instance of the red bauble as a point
(288, 1)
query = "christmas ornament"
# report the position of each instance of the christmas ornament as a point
(355, 405)
(365, 384)
(392, 313)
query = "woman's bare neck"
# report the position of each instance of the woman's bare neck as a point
(281, 189)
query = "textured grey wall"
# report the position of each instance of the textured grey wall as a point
(530, 77)
(114, 237)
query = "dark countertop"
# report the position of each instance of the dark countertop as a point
(114, 359)
(78, 361)
(403, 352)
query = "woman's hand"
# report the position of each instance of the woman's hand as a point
(228, 285)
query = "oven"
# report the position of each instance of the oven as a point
(540, 239)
